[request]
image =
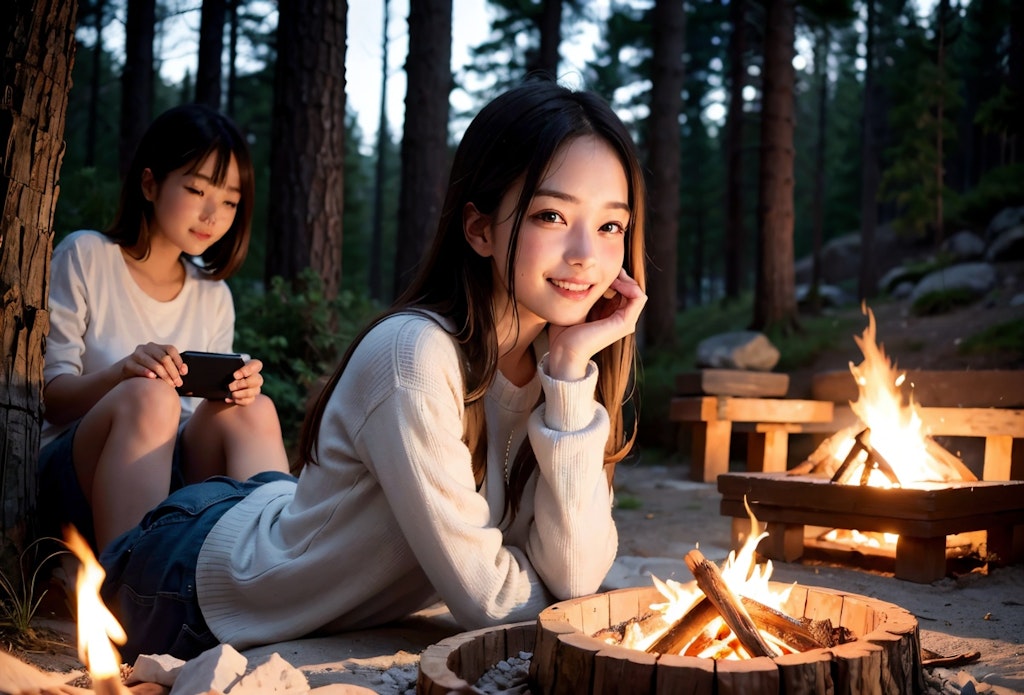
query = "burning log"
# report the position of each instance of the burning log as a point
(710, 581)
(801, 636)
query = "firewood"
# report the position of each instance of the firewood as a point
(931, 659)
(799, 635)
(710, 581)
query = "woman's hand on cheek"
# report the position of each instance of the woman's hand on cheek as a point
(612, 318)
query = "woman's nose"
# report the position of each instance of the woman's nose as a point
(580, 249)
(208, 214)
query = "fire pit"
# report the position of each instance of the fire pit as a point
(885, 655)
(922, 515)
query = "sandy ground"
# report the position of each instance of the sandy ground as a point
(661, 516)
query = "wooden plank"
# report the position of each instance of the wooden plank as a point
(693, 409)
(806, 673)
(754, 676)
(925, 501)
(998, 458)
(731, 382)
(879, 523)
(775, 410)
(785, 542)
(595, 613)
(973, 422)
(622, 671)
(940, 388)
(858, 668)
(921, 560)
(768, 451)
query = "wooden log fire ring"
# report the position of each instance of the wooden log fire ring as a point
(455, 663)
(885, 657)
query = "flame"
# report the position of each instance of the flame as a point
(897, 431)
(743, 575)
(97, 627)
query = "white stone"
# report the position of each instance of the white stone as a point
(275, 675)
(215, 669)
(156, 668)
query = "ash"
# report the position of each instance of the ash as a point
(509, 676)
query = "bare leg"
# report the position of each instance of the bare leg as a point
(237, 441)
(122, 454)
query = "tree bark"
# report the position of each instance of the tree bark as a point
(775, 299)
(380, 171)
(735, 234)
(307, 142)
(870, 164)
(550, 25)
(211, 46)
(668, 21)
(39, 52)
(425, 134)
(137, 78)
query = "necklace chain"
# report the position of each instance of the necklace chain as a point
(508, 451)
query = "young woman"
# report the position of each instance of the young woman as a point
(463, 450)
(123, 305)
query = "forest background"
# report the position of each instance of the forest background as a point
(767, 128)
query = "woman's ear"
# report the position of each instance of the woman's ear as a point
(476, 226)
(149, 185)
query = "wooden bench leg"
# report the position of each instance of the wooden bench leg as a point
(921, 560)
(768, 451)
(1006, 544)
(785, 542)
(710, 452)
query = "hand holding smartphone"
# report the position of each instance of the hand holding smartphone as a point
(210, 373)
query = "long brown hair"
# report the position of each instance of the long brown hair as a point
(185, 136)
(512, 139)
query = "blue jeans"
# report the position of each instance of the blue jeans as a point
(151, 569)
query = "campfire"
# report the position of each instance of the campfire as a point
(884, 486)
(98, 629)
(890, 446)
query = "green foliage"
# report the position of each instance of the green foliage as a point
(1004, 337)
(18, 599)
(997, 189)
(942, 301)
(89, 200)
(627, 501)
(300, 336)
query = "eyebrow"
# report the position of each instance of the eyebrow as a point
(551, 193)
(204, 177)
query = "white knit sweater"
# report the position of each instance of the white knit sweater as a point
(391, 520)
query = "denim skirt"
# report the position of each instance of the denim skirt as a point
(150, 585)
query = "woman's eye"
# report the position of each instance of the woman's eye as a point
(194, 191)
(548, 216)
(231, 204)
(614, 228)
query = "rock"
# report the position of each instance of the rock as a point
(964, 246)
(738, 350)
(1007, 246)
(275, 675)
(218, 669)
(156, 668)
(1005, 219)
(830, 295)
(978, 278)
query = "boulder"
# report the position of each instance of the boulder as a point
(1008, 245)
(738, 350)
(978, 278)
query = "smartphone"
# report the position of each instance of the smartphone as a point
(209, 373)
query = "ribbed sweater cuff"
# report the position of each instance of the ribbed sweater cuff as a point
(569, 405)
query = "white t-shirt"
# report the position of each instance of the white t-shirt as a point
(99, 315)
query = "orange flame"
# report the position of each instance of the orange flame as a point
(897, 431)
(97, 627)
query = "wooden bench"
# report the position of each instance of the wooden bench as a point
(716, 403)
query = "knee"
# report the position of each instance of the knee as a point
(148, 405)
(260, 413)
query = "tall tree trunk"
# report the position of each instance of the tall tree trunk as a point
(775, 299)
(735, 234)
(425, 136)
(38, 38)
(211, 47)
(307, 142)
(940, 117)
(137, 79)
(821, 54)
(550, 25)
(94, 85)
(232, 57)
(668, 20)
(869, 162)
(377, 230)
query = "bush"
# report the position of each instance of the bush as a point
(942, 301)
(300, 336)
(1004, 337)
